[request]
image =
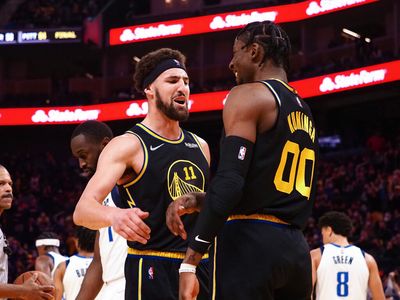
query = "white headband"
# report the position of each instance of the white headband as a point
(48, 242)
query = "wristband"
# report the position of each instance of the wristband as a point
(187, 268)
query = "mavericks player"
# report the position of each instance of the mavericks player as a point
(70, 273)
(47, 245)
(342, 270)
(87, 142)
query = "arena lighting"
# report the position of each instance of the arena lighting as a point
(228, 21)
(351, 33)
(311, 87)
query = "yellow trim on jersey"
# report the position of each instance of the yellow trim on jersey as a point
(269, 218)
(140, 279)
(144, 167)
(214, 270)
(286, 85)
(131, 201)
(199, 144)
(165, 254)
(152, 133)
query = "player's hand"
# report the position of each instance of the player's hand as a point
(130, 225)
(34, 291)
(188, 286)
(182, 205)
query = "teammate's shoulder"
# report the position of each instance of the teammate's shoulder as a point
(126, 139)
(254, 91)
(252, 87)
(122, 146)
(316, 253)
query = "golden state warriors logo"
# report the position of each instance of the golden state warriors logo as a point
(184, 177)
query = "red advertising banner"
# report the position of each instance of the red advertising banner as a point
(227, 21)
(311, 87)
(348, 80)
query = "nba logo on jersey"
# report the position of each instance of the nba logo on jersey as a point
(151, 273)
(242, 153)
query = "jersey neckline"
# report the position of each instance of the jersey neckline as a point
(157, 136)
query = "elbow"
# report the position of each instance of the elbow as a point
(78, 216)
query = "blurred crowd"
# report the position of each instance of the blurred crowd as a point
(52, 13)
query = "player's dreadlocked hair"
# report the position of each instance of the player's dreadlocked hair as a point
(272, 38)
(148, 62)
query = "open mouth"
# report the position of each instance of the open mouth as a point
(180, 101)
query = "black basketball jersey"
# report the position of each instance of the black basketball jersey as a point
(282, 176)
(171, 169)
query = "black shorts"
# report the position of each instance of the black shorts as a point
(260, 260)
(152, 277)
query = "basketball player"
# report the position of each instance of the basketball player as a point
(47, 245)
(263, 190)
(70, 273)
(110, 249)
(153, 163)
(29, 289)
(340, 269)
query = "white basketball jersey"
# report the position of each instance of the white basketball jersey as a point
(113, 250)
(74, 273)
(342, 274)
(57, 259)
(3, 259)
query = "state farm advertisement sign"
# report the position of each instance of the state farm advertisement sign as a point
(311, 87)
(102, 112)
(232, 20)
(348, 80)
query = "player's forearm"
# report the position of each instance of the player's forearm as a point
(192, 257)
(91, 214)
(13, 291)
(200, 196)
(92, 283)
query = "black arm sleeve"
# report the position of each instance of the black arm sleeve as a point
(224, 193)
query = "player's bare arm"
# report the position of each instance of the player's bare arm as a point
(28, 290)
(58, 280)
(374, 282)
(44, 264)
(122, 153)
(92, 282)
(315, 260)
(183, 205)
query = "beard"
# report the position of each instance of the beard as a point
(170, 110)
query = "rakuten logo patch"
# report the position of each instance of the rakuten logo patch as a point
(232, 20)
(141, 33)
(354, 79)
(55, 115)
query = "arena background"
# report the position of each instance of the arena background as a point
(55, 54)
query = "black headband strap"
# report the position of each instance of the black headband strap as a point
(161, 67)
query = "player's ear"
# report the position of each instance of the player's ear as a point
(105, 141)
(149, 92)
(257, 52)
